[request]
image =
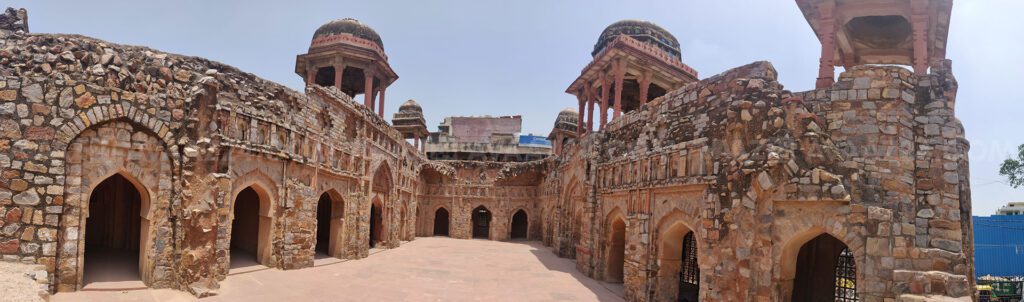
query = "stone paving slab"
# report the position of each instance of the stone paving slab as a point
(427, 269)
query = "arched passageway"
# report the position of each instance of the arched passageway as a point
(376, 225)
(249, 227)
(441, 222)
(114, 232)
(481, 223)
(825, 271)
(520, 225)
(330, 214)
(616, 251)
(679, 272)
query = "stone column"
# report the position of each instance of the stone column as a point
(590, 108)
(368, 89)
(604, 101)
(310, 76)
(416, 141)
(339, 70)
(581, 98)
(619, 72)
(380, 110)
(919, 27)
(827, 29)
(645, 83)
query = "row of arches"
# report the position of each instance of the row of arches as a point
(822, 269)
(117, 228)
(480, 223)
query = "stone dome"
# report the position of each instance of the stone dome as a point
(643, 31)
(567, 119)
(410, 106)
(349, 26)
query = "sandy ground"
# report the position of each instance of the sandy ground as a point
(427, 269)
(15, 285)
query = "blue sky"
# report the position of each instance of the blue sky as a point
(473, 57)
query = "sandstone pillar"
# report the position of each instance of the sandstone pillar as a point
(380, 108)
(339, 70)
(581, 99)
(645, 83)
(919, 27)
(619, 72)
(310, 76)
(590, 108)
(827, 29)
(604, 102)
(368, 89)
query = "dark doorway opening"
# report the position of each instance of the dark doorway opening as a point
(245, 229)
(825, 271)
(323, 225)
(520, 225)
(113, 231)
(441, 222)
(375, 225)
(616, 251)
(689, 272)
(481, 223)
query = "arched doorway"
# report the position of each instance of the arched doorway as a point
(441, 222)
(115, 232)
(376, 224)
(825, 271)
(330, 215)
(250, 227)
(520, 225)
(616, 250)
(679, 272)
(481, 222)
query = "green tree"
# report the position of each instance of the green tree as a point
(1013, 168)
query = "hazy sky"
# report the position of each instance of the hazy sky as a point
(474, 57)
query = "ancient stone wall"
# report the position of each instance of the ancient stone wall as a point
(757, 172)
(500, 188)
(190, 134)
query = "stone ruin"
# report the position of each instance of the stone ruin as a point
(727, 188)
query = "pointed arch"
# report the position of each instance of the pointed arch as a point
(519, 224)
(813, 253)
(678, 251)
(330, 229)
(615, 246)
(481, 222)
(95, 154)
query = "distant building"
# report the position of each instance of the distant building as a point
(999, 245)
(1013, 208)
(485, 138)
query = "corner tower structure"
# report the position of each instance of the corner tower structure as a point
(348, 55)
(634, 62)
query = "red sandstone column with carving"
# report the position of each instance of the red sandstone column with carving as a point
(368, 89)
(604, 102)
(919, 27)
(827, 29)
(380, 110)
(619, 70)
(645, 83)
(590, 108)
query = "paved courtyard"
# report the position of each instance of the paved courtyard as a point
(427, 269)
